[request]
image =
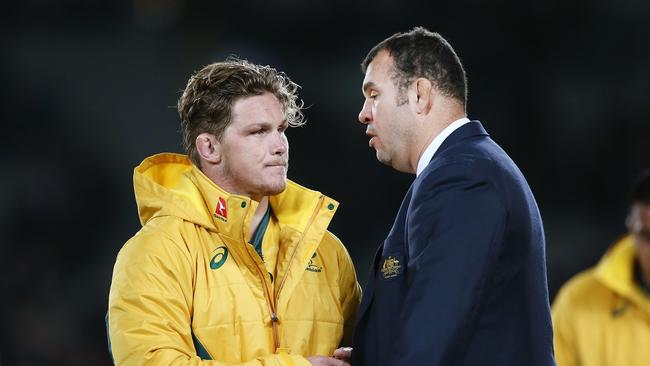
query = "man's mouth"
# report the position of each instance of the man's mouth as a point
(373, 138)
(283, 165)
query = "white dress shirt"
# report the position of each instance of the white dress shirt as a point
(435, 144)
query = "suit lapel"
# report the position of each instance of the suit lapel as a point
(398, 232)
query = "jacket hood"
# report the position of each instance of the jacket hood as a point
(616, 271)
(163, 187)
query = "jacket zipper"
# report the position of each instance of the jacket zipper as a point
(270, 304)
(272, 301)
(295, 250)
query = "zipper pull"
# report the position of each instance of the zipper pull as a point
(276, 337)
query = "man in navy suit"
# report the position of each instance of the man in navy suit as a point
(461, 277)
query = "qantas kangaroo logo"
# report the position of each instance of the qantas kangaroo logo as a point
(221, 212)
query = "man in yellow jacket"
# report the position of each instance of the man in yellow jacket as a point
(234, 263)
(602, 316)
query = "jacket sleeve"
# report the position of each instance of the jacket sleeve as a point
(150, 307)
(563, 332)
(455, 226)
(350, 295)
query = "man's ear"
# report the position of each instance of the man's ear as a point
(424, 94)
(208, 147)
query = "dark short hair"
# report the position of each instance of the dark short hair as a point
(206, 104)
(422, 53)
(641, 191)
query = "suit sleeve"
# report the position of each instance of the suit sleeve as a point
(455, 227)
(150, 306)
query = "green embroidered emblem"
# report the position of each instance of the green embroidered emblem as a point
(220, 258)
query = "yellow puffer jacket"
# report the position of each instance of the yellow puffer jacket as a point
(188, 288)
(601, 317)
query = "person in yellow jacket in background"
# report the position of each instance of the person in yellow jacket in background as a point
(602, 316)
(234, 263)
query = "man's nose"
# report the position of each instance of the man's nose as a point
(280, 143)
(365, 116)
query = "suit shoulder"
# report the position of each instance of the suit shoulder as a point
(481, 153)
(480, 162)
(468, 169)
(469, 155)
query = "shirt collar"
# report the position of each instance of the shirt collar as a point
(437, 141)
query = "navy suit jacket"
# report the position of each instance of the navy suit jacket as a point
(461, 277)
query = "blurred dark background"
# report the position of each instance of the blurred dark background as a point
(89, 89)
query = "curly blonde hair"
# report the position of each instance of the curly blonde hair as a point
(206, 104)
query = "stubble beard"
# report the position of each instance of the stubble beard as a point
(384, 158)
(270, 185)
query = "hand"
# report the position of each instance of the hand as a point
(326, 361)
(344, 353)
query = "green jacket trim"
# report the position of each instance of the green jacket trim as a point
(200, 350)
